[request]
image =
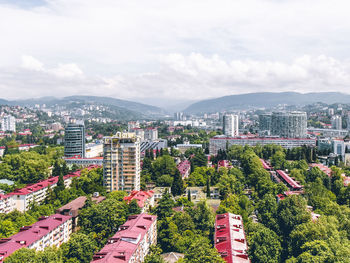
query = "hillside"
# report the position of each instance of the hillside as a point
(265, 99)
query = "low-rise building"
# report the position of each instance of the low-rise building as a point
(144, 199)
(184, 168)
(53, 230)
(84, 161)
(132, 241)
(230, 239)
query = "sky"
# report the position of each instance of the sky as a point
(165, 52)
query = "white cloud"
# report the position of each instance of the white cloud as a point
(174, 49)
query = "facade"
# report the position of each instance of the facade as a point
(131, 243)
(8, 123)
(338, 147)
(49, 231)
(337, 122)
(230, 125)
(121, 162)
(94, 150)
(230, 239)
(221, 142)
(21, 199)
(84, 161)
(185, 146)
(74, 140)
(151, 134)
(289, 124)
(144, 199)
(328, 132)
(265, 122)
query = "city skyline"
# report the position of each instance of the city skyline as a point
(172, 51)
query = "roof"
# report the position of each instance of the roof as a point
(289, 180)
(30, 234)
(139, 196)
(123, 244)
(184, 166)
(172, 257)
(323, 168)
(73, 206)
(265, 164)
(30, 188)
(229, 239)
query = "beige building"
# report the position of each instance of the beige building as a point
(121, 162)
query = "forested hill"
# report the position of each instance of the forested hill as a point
(265, 99)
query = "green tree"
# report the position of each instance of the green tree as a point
(80, 247)
(134, 208)
(165, 205)
(177, 186)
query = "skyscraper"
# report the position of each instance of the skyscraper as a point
(230, 125)
(8, 123)
(265, 122)
(337, 122)
(289, 124)
(74, 140)
(121, 162)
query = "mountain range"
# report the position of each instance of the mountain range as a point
(266, 100)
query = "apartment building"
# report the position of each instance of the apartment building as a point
(49, 231)
(132, 241)
(21, 199)
(221, 142)
(230, 239)
(151, 134)
(8, 123)
(230, 125)
(121, 162)
(144, 199)
(74, 140)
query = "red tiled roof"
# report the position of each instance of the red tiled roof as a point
(265, 165)
(123, 244)
(184, 166)
(289, 180)
(323, 168)
(140, 196)
(30, 234)
(229, 239)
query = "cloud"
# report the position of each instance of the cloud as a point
(173, 49)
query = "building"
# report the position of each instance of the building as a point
(184, 168)
(145, 199)
(139, 132)
(337, 122)
(49, 231)
(132, 241)
(84, 162)
(290, 182)
(338, 147)
(229, 238)
(8, 123)
(289, 124)
(328, 132)
(94, 150)
(179, 116)
(154, 145)
(187, 145)
(230, 125)
(21, 199)
(73, 208)
(74, 140)
(151, 134)
(265, 123)
(121, 162)
(221, 142)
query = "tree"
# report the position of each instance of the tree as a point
(177, 186)
(229, 205)
(80, 247)
(208, 187)
(203, 217)
(134, 208)
(154, 255)
(22, 255)
(264, 245)
(200, 251)
(165, 205)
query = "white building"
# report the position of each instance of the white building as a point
(8, 123)
(337, 122)
(230, 125)
(151, 134)
(49, 231)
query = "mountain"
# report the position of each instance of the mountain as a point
(121, 107)
(265, 99)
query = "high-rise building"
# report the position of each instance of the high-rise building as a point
(74, 140)
(8, 123)
(121, 162)
(337, 122)
(289, 124)
(179, 116)
(265, 122)
(151, 134)
(230, 125)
